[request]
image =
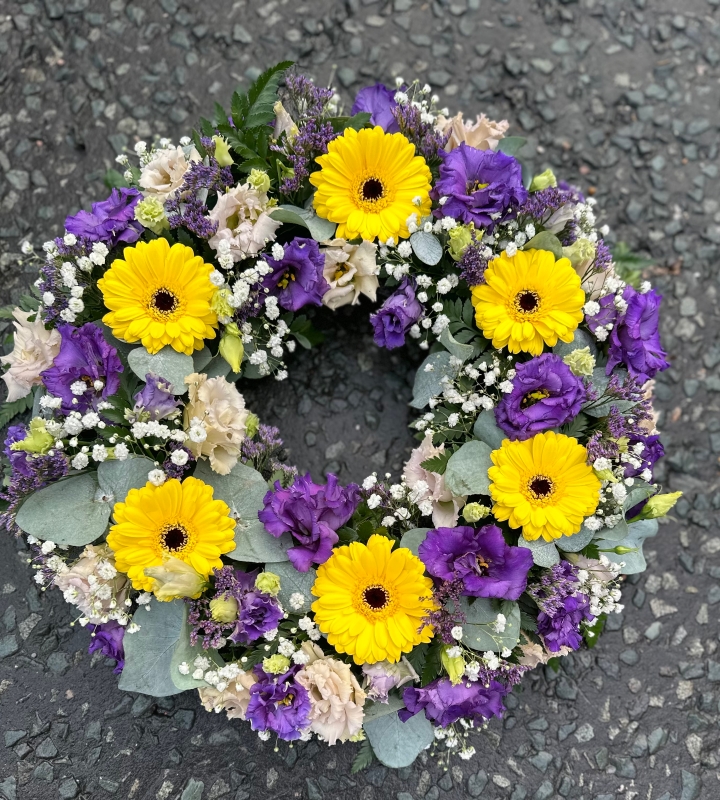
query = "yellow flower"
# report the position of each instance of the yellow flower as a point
(37, 440)
(174, 579)
(367, 184)
(528, 300)
(543, 485)
(176, 519)
(371, 601)
(160, 295)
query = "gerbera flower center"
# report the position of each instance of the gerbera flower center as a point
(541, 487)
(174, 537)
(527, 301)
(164, 301)
(534, 397)
(372, 189)
(376, 597)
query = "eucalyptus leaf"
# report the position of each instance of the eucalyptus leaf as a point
(293, 582)
(615, 534)
(320, 229)
(68, 512)
(486, 430)
(375, 710)
(428, 383)
(395, 743)
(168, 364)
(467, 469)
(413, 538)
(122, 347)
(544, 554)
(201, 359)
(187, 653)
(638, 532)
(426, 247)
(545, 241)
(38, 394)
(219, 368)
(455, 348)
(580, 340)
(116, 478)
(243, 490)
(480, 617)
(576, 542)
(149, 651)
(511, 145)
(640, 491)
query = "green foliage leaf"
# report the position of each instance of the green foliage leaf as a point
(467, 469)
(114, 179)
(545, 241)
(433, 665)
(168, 364)
(397, 744)
(364, 758)
(306, 333)
(629, 265)
(581, 339)
(576, 542)
(486, 430)
(186, 652)
(66, 512)
(544, 554)
(413, 538)
(577, 427)
(640, 491)
(592, 633)
(437, 463)
(320, 229)
(511, 145)
(149, 651)
(243, 490)
(426, 247)
(638, 532)
(417, 657)
(8, 411)
(256, 108)
(478, 630)
(356, 122)
(455, 348)
(118, 477)
(375, 710)
(293, 582)
(428, 383)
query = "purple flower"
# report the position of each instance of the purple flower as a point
(297, 278)
(312, 513)
(396, 316)
(635, 338)
(652, 452)
(479, 185)
(481, 559)
(562, 628)
(607, 315)
(19, 459)
(85, 358)
(111, 221)
(155, 398)
(108, 639)
(279, 704)
(546, 394)
(379, 102)
(445, 703)
(258, 613)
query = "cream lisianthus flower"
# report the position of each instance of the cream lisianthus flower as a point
(215, 420)
(430, 486)
(350, 270)
(174, 579)
(164, 175)
(284, 123)
(93, 585)
(483, 134)
(34, 351)
(336, 699)
(234, 699)
(243, 222)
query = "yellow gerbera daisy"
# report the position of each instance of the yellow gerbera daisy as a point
(176, 519)
(528, 300)
(371, 601)
(367, 184)
(543, 485)
(160, 295)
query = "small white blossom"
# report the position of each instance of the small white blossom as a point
(297, 601)
(156, 477)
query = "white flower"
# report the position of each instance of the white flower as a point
(374, 501)
(511, 249)
(405, 249)
(350, 270)
(593, 524)
(388, 522)
(444, 286)
(70, 239)
(601, 464)
(369, 482)
(179, 457)
(156, 477)
(90, 420)
(500, 623)
(457, 632)
(99, 453)
(34, 350)
(164, 174)
(297, 601)
(506, 387)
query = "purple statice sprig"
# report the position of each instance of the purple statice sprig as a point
(312, 140)
(473, 263)
(264, 451)
(447, 614)
(188, 209)
(308, 100)
(428, 141)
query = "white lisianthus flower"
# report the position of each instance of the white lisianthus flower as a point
(350, 270)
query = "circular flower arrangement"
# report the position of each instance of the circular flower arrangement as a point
(400, 614)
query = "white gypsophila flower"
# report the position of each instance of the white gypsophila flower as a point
(506, 387)
(70, 239)
(99, 453)
(404, 249)
(76, 305)
(422, 297)
(157, 477)
(133, 627)
(444, 286)
(67, 315)
(387, 522)
(90, 420)
(511, 249)
(453, 420)
(593, 523)
(402, 513)
(500, 623)
(591, 308)
(197, 434)
(491, 660)
(285, 647)
(121, 451)
(300, 657)
(601, 464)
(217, 278)
(47, 547)
(369, 482)
(297, 601)
(397, 491)
(374, 501)
(78, 388)
(457, 632)
(179, 457)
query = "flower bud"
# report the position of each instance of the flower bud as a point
(276, 664)
(37, 440)
(474, 512)
(252, 423)
(453, 665)
(224, 609)
(581, 362)
(460, 238)
(175, 578)
(581, 253)
(268, 583)
(232, 350)
(659, 505)
(543, 181)
(222, 151)
(259, 180)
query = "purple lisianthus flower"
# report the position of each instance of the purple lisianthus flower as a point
(607, 315)
(297, 278)
(312, 513)
(85, 358)
(445, 703)
(156, 398)
(635, 338)
(479, 185)
(396, 316)
(382, 676)
(279, 704)
(258, 613)
(379, 102)
(487, 566)
(108, 639)
(111, 221)
(562, 628)
(18, 458)
(651, 453)
(546, 394)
